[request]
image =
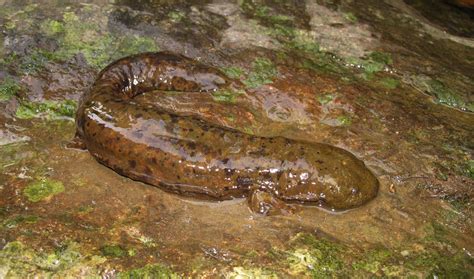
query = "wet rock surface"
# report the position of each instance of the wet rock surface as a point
(397, 93)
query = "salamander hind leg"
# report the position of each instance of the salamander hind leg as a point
(266, 204)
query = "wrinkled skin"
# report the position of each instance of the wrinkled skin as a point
(122, 129)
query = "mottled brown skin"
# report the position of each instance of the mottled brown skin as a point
(185, 155)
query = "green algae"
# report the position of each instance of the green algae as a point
(52, 27)
(350, 17)
(373, 260)
(147, 241)
(302, 40)
(441, 266)
(85, 209)
(7, 60)
(150, 271)
(322, 63)
(325, 99)
(176, 16)
(35, 61)
(381, 57)
(134, 44)
(469, 169)
(463, 166)
(445, 95)
(8, 88)
(233, 72)
(20, 261)
(344, 120)
(319, 258)
(263, 72)
(86, 38)
(74, 35)
(441, 93)
(301, 43)
(314, 257)
(43, 189)
(250, 272)
(430, 264)
(429, 259)
(264, 13)
(46, 109)
(369, 64)
(389, 83)
(226, 96)
(20, 219)
(113, 251)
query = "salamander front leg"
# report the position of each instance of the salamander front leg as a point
(265, 203)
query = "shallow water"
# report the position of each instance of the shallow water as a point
(399, 97)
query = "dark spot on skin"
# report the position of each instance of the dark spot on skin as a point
(138, 115)
(192, 145)
(320, 161)
(225, 160)
(153, 160)
(244, 181)
(117, 138)
(132, 163)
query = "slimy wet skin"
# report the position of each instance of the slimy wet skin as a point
(122, 129)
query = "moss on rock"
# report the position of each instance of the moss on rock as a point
(20, 261)
(151, 271)
(8, 88)
(43, 189)
(47, 109)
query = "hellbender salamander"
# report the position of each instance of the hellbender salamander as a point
(186, 155)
